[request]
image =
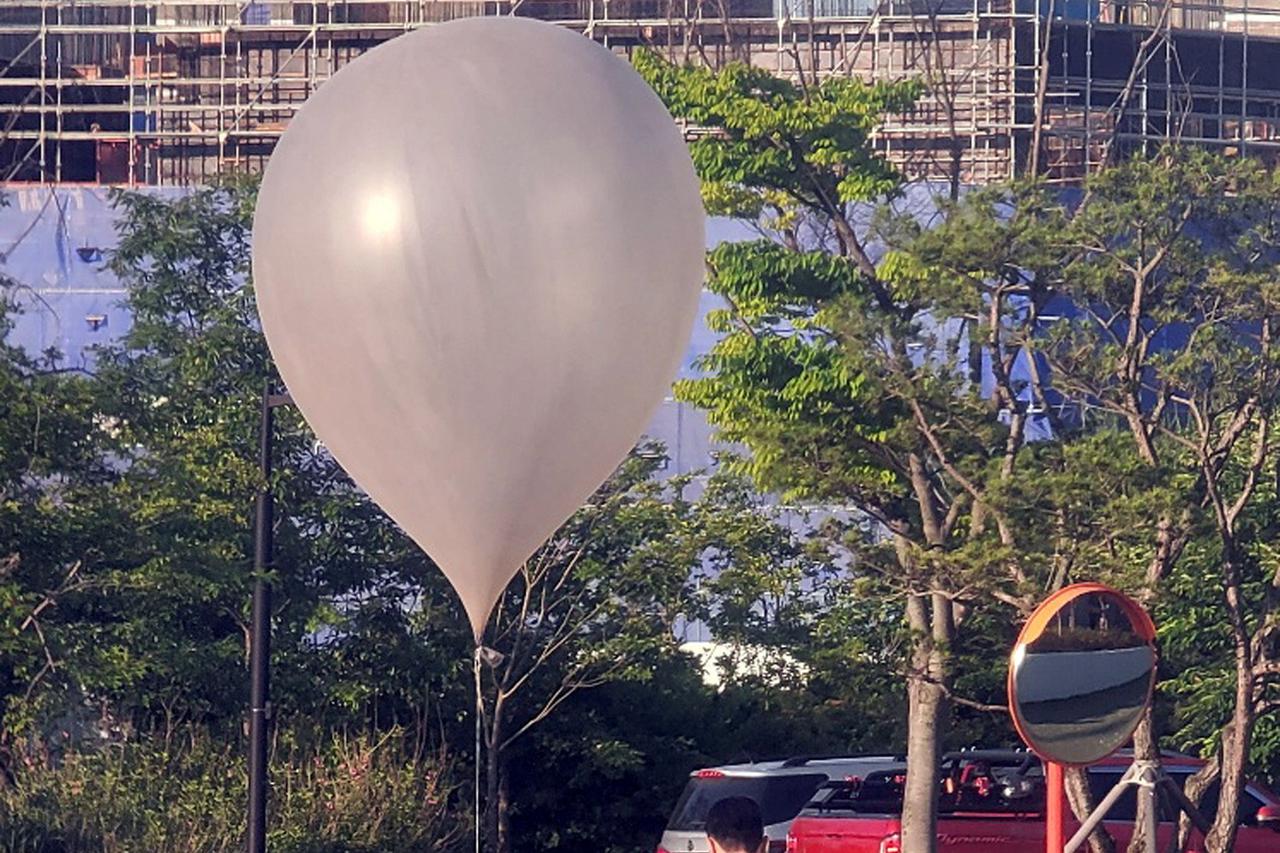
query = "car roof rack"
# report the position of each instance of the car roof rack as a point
(802, 760)
(1127, 752)
(1012, 753)
(1007, 754)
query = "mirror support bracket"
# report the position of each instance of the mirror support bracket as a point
(1148, 777)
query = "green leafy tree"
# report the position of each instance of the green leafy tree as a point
(1173, 264)
(849, 374)
(599, 603)
(57, 522)
(1163, 386)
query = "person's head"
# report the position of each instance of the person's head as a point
(734, 825)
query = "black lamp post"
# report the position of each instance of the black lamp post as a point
(260, 631)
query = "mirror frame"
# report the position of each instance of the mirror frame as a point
(1040, 620)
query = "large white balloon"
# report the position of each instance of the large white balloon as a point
(478, 251)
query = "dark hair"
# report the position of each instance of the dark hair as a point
(735, 824)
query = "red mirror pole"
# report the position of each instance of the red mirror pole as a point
(1055, 796)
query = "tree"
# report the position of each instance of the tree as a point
(56, 518)
(842, 372)
(887, 349)
(1156, 371)
(586, 609)
(1172, 265)
(598, 603)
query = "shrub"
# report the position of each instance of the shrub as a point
(340, 794)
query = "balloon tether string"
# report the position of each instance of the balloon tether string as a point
(479, 714)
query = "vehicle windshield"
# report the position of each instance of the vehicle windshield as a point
(780, 797)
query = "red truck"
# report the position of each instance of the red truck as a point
(992, 801)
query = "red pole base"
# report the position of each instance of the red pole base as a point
(1054, 806)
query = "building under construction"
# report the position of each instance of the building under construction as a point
(157, 92)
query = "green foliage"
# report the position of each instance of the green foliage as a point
(771, 133)
(1198, 676)
(1173, 261)
(777, 381)
(611, 765)
(842, 376)
(854, 378)
(56, 517)
(369, 794)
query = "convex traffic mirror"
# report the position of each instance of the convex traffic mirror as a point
(1082, 673)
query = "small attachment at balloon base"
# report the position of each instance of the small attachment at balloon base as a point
(489, 657)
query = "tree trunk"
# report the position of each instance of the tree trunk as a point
(492, 774)
(504, 807)
(1145, 748)
(491, 802)
(926, 705)
(927, 709)
(1080, 796)
(1194, 788)
(1237, 736)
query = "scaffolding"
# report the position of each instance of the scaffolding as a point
(157, 92)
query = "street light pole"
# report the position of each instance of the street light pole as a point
(260, 631)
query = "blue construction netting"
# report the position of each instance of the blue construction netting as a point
(52, 245)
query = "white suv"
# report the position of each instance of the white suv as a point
(780, 788)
